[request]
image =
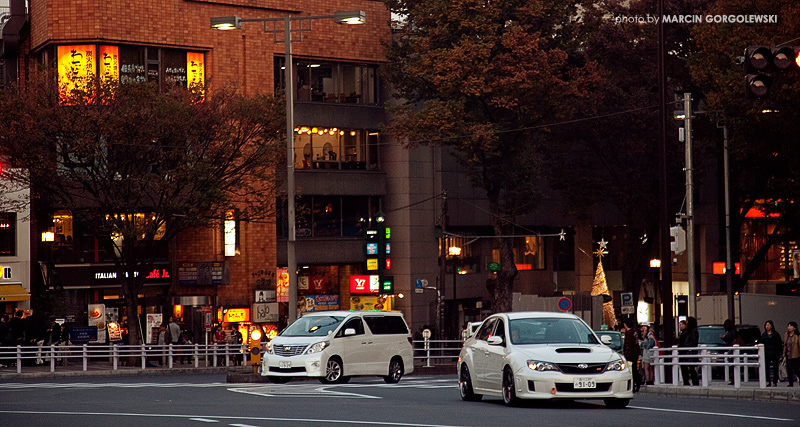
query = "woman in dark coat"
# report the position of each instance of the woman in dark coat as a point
(773, 348)
(689, 338)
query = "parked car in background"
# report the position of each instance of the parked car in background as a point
(613, 339)
(541, 355)
(710, 336)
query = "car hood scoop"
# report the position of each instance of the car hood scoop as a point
(573, 350)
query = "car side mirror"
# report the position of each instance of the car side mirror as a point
(495, 340)
(349, 331)
(605, 339)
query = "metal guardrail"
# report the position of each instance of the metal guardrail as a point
(739, 357)
(144, 356)
(431, 353)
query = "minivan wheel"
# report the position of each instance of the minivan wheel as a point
(395, 371)
(334, 373)
(465, 386)
(279, 380)
(509, 392)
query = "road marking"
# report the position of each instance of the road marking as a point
(204, 420)
(113, 385)
(226, 417)
(300, 391)
(721, 414)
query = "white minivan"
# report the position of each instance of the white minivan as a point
(335, 345)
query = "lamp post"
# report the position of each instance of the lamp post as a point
(235, 22)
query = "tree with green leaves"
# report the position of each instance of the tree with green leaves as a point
(485, 79)
(138, 166)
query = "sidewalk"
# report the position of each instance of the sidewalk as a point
(97, 368)
(721, 390)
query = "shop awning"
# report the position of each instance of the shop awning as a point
(13, 292)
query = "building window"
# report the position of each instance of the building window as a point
(328, 216)
(321, 81)
(529, 253)
(333, 148)
(8, 234)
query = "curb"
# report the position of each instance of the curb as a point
(755, 394)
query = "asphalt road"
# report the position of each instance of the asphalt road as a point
(199, 400)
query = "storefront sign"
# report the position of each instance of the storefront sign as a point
(153, 322)
(370, 303)
(282, 283)
(203, 273)
(320, 303)
(82, 335)
(76, 68)
(195, 70)
(364, 284)
(236, 315)
(104, 275)
(265, 312)
(109, 64)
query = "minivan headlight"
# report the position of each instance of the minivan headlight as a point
(269, 349)
(617, 365)
(537, 365)
(317, 347)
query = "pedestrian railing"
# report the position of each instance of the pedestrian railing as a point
(740, 358)
(431, 353)
(143, 356)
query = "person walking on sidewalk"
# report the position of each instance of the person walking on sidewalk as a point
(791, 351)
(647, 343)
(689, 338)
(631, 350)
(773, 348)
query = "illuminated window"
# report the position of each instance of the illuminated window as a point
(8, 234)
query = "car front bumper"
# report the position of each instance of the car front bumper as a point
(557, 385)
(310, 365)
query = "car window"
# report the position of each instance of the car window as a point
(500, 330)
(354, 323)
(385, 325)
(710, 336)
(550, 331)
(486, 330)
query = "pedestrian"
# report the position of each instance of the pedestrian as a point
(220, 339)
(647, 343)
(163, 337)
(5, 336)
(187, 341)
(689, 338)
(731, 338)
(17, 329)
(631, 350)
(236, 340)
(791, 351)
(773, 348)
(174, 330)
(53, 336)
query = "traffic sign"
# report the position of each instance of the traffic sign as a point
(627, 299)
(564, 304)
(493, 266)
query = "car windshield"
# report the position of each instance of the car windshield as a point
(312, 326)
(550, 331)
(710, 336)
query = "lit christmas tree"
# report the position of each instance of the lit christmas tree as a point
(600, 287)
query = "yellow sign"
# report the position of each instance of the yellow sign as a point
(196, 70)
(76, 68)
(381, 303)
(236, 315)
(372, 264)
(109, 64)
(282, 284)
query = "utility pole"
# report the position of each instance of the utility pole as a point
(443, 269)
(690, 261)
(730, 269)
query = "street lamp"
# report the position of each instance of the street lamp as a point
(235, 22)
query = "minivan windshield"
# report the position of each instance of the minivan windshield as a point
(312, 326)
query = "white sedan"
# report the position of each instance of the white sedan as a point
(539, 355)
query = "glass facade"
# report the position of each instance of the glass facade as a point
(334, 148)
(328, 216)
(321, 81)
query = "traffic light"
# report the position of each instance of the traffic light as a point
(677, 243)
(762, 64)
(254, 345)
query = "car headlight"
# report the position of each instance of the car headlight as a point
(538, 365)
(617, 365)
(317, 347)
(269, 349)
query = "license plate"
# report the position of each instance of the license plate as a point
(285, 364)
(584, 383)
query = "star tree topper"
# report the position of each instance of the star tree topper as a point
(601, 251)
